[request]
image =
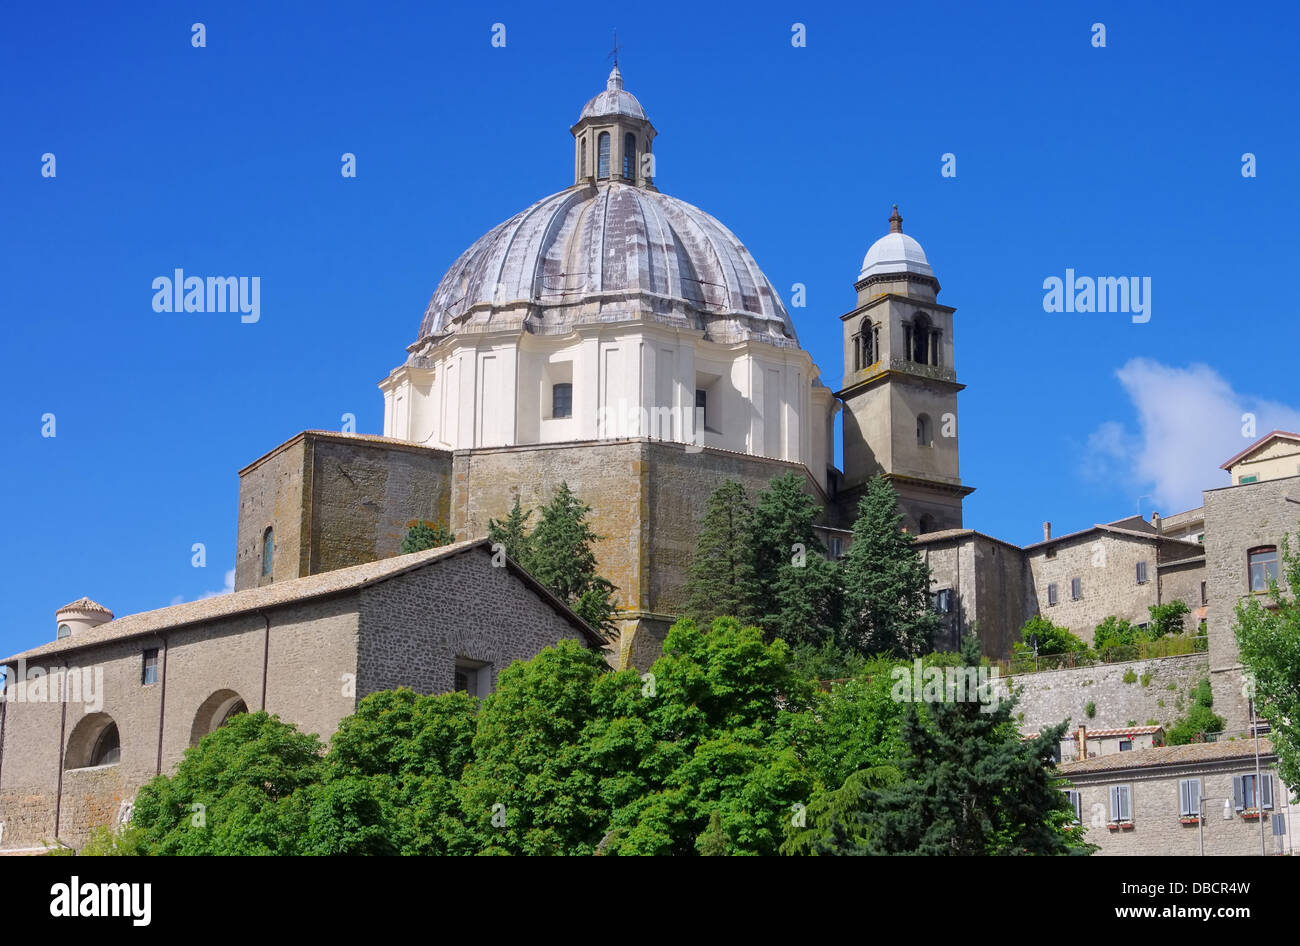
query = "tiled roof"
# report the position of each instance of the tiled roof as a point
(1172, 755)
(85, 604)
(287, 592)
(1271, 435)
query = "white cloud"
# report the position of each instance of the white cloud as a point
(1189, 420)
(225, 590)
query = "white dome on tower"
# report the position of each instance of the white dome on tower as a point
(895, 252)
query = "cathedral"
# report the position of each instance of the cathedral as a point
(626, 342)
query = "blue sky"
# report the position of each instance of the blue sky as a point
(1118, 161)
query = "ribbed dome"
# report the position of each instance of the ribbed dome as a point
(613, 101)
(622, 251)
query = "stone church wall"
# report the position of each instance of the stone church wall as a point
(415, 626)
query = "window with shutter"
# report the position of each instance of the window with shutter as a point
(1266, 794)
(1076, 588)
(1238, 792)
(1076, 800)
(1189, 791)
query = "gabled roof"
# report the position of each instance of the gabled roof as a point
(1260, 443)
(293, 591)
(1113, 530)
(1197, 752)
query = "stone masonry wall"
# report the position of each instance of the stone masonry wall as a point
(365, 495)
(416, 625)
(271, 495)
(1050, 697)
(1154, 797)
(1238, 519)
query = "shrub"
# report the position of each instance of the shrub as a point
(1090, 710)
(1130, 676)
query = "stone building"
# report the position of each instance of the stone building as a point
(625, 342)
(1245, 524)
(1150, 802)
(92, 716)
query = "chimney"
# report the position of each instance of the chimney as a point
(1047, 531)
(1083, 743)
(1157, 523)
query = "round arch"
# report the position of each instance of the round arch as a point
(94, 741)
(214, 712)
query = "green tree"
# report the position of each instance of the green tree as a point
(1167, 618)
(970, 785)
(392, 772)
(1052, 641)
(886, 583)
(721, 576)
(531, 786)
(424, 535)
(792, 593)
(1115, 632)
(1200, 718)
(513, 534)
(236, 792)
(1268, 640)
(563, 559)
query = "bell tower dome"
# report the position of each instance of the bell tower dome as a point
(900, 385)
(612, 139)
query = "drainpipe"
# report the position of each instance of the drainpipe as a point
(162, 701)
(266, 654)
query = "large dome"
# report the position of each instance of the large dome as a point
(631, 250)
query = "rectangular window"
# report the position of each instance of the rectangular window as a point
(941, 601)
(1263, 567)
(1076, 588)
(1121, 808)
(1189, 797)
(1244, 795)
(473, 677)
(1247, 479)
(1142, 573)
(149, 673)
(1076, 801)
(1205, 597)
(1051, 595)
(1126, 745)
(836, 547)
(562, 400)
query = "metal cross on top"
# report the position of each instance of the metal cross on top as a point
(613, 53)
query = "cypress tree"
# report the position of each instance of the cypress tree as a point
(782, 542)
(512, 533)
(563, 559)
(886, 583)
(721, 575)
(971, 785)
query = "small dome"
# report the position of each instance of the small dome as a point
(613, 101)
(85, 606)
(895, 252)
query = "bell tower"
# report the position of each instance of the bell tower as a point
(900, 386)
